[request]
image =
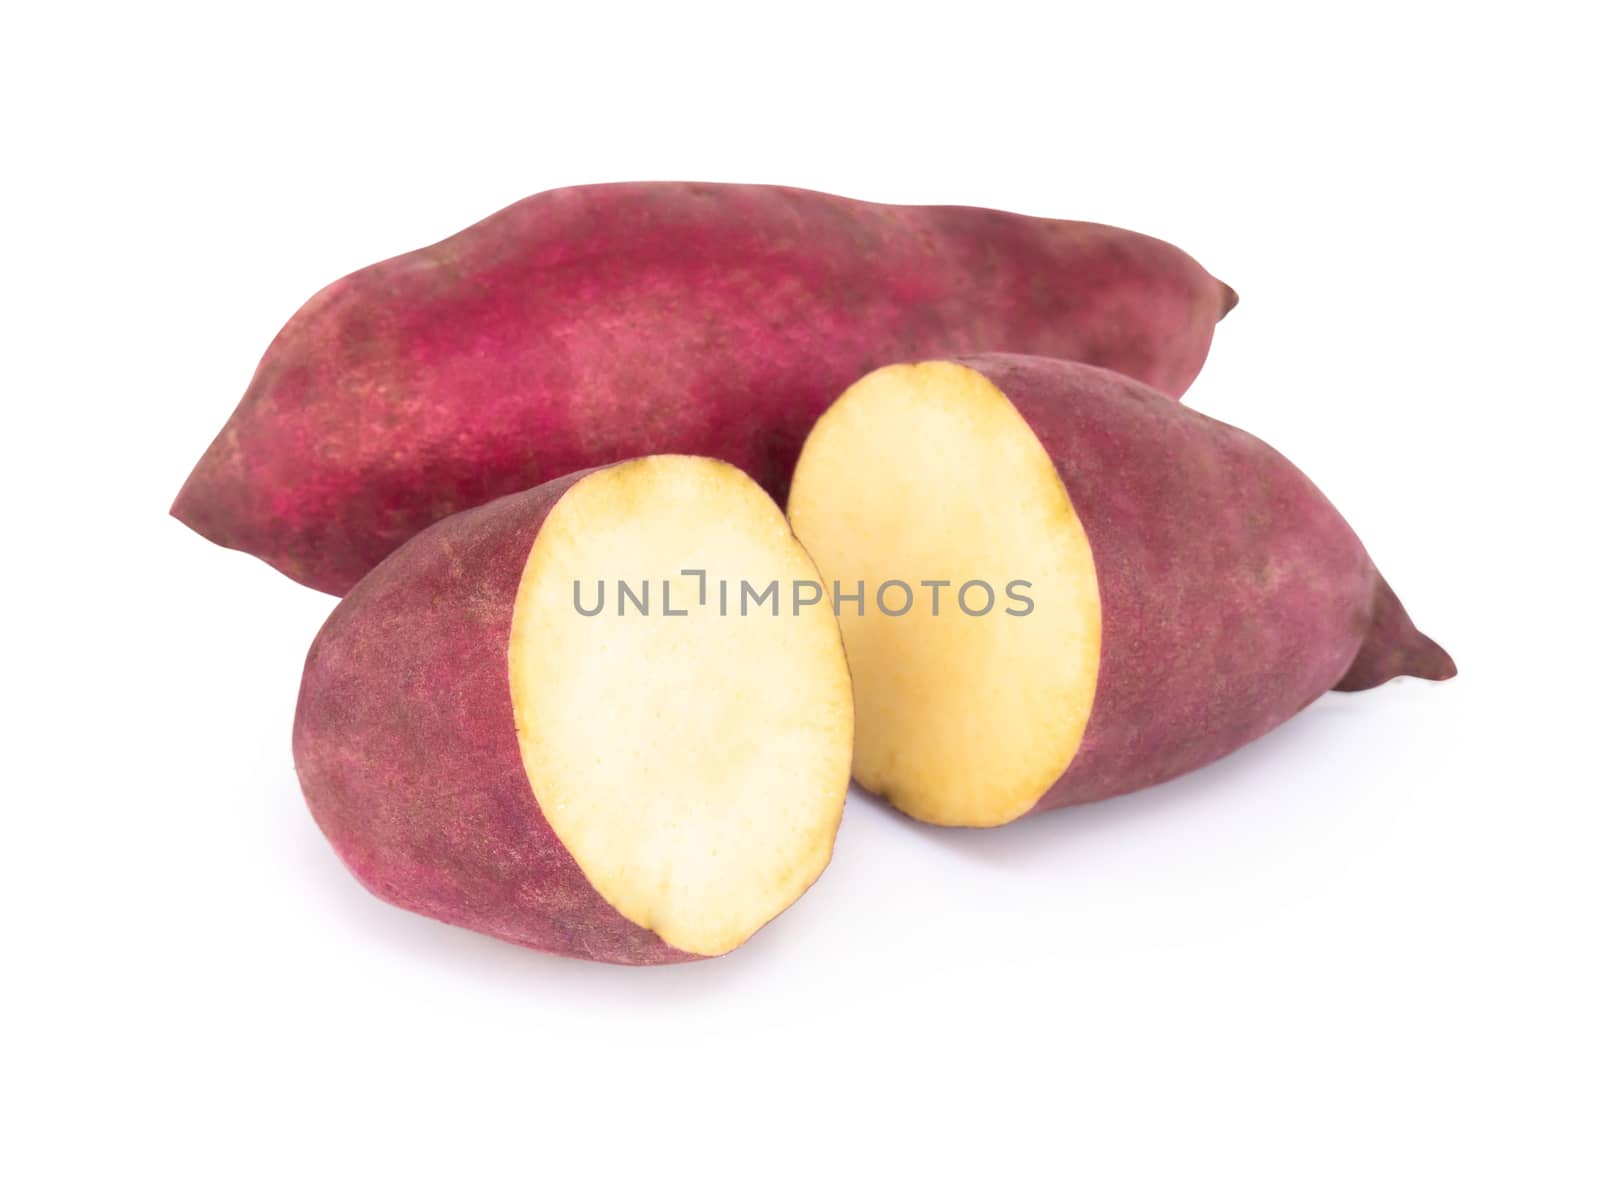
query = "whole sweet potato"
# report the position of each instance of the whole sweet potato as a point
(1130, 589)
(639, 778)
(587, 325)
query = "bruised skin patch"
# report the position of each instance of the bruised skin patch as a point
(925, 473)
(693, 764)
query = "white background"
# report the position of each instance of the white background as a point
(1359, 951)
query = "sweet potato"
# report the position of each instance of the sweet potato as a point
(1162, 587)
(587, 325)
(635, 785)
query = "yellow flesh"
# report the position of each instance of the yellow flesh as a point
(695, 767)
(926, 472)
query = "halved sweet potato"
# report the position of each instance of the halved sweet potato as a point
(642, 781)
(1091, 588)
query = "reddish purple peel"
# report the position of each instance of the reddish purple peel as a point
(1232, 592)
(587, 325)
(432, 810)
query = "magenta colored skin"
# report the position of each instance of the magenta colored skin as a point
(406, 746)
(1232, 594)
(587, 325)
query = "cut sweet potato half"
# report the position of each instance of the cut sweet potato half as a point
(639, 779)
(1145, 588)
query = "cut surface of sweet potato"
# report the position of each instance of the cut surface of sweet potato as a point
(972, 702)
(690, 760)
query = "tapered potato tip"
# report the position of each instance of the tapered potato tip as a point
(189, 509)
(223, 502)
(214, 508)
(202, 505)
(1394, 647)
(1229, 300)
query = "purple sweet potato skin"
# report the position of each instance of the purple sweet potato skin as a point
(1232, 592)
(406, 746)
(587, 325)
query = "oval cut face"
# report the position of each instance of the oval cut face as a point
(682, 701)
(975, 648)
